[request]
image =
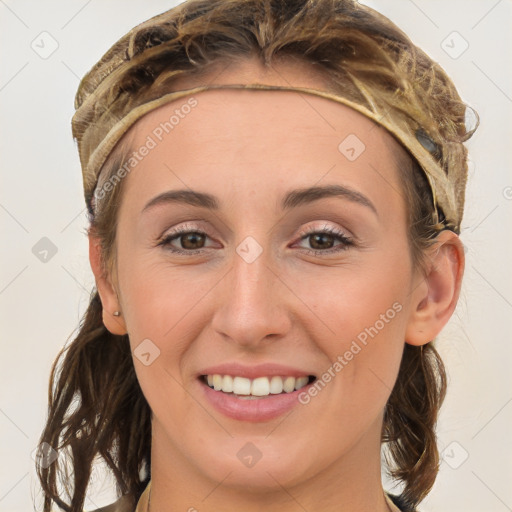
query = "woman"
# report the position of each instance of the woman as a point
(275, 191)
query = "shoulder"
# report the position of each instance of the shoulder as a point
(123, 504)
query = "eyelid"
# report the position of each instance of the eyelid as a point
(347, 240)
(185, 228)
(330, 228)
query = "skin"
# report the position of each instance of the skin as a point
(248, 148)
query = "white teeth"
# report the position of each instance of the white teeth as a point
(241, 386)
(227, 384)
(276, 385)
(217, 382)
(289, 384)
(301, 382)
(261, 386)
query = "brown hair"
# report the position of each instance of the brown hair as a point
(112, 419)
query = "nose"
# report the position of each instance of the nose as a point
(253, 303)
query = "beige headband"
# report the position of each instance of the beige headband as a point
(415, 140)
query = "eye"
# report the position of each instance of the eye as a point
(192, 240)
(322, 240)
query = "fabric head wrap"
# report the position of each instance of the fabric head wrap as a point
(110, 100)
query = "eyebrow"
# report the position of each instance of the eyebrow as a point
(292, 199)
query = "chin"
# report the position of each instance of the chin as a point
(264, 479)
(260, 467)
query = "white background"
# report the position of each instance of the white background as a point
(41, 303)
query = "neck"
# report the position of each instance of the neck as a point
(350, 484)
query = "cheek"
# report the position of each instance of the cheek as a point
(160, 308)
(363, 318)
(156, 295)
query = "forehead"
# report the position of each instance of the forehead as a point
(263, 140)
(224, 116)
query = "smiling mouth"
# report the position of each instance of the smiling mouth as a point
(260, 387)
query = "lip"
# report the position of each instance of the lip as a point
(252, 410)
(255, 371)
(257, 410)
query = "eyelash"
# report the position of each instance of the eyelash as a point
(327, 230)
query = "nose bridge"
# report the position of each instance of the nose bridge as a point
(252, 305)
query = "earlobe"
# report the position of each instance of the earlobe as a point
(435, 298)
(112, 318)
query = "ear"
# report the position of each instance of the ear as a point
(108, 296)
(436, 294)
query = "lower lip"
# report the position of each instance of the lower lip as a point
(261, 409)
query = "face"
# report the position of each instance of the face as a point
(296, 264)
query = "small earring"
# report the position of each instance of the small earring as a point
(117, 313)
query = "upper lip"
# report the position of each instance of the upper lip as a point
(255, 371)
